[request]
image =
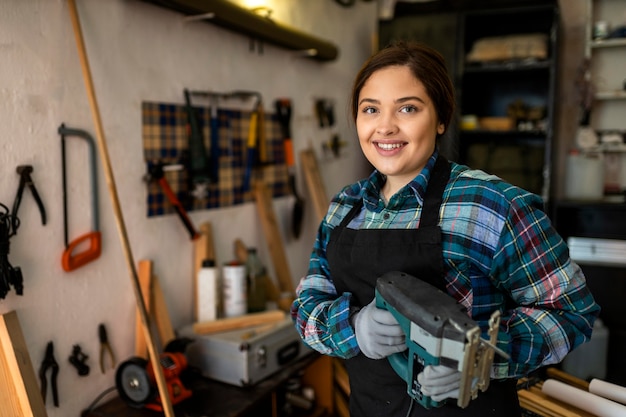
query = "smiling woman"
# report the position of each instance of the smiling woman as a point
(485, 243)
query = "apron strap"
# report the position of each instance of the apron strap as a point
(434, 193)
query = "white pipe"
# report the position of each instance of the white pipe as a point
(584, 400)
(608, 390)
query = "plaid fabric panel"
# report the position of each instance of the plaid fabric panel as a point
(166, 143)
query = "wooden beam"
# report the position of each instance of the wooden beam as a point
(19, 390)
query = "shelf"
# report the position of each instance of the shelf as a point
(607, 43)
(505, 136)
(507, 66)
(611, 95)
(238, 19)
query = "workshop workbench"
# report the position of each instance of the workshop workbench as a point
(212, 398)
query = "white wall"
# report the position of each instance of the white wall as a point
(140, 52)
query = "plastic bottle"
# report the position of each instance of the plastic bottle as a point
(207, 291)
(255, 273)
(234, 289)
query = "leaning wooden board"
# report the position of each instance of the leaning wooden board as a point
(314, 183)
(273, 237)
(19, 391)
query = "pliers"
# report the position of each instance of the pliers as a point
(49, 363)
(26, 180)
(105, 347)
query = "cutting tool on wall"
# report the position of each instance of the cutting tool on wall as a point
(283, 112)
(75, 254)
(438, 332)
(26, 180)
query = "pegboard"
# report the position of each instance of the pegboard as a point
(166, 142)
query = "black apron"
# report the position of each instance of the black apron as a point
(356, 259)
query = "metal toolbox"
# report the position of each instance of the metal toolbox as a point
(244, 357)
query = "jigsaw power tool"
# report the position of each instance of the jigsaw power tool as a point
(438, 332)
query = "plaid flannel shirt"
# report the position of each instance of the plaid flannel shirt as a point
(500, 252)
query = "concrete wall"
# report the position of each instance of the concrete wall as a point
(140, 52)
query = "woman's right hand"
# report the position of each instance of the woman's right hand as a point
(378, 333)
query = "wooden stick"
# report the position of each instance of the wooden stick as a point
(239, 322)
(121, 227)
(145, 281)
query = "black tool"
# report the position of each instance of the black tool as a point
(78, 359)
(26, 180)
(9, 275)
(49, 363)
(105, 347)
(283, 112)
(200, 173)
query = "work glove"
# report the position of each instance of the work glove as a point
(439, 382)
(378, 333)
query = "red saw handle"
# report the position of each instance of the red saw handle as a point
(72, 261)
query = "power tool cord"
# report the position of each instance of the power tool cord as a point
(95, 402)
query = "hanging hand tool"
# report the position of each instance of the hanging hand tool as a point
(438, 332)
(283, 112)
(71, 260)
(105, 347)
(157, 172)
(198, 162)
(49, 364)
(78, 359)
(9, 275)
(26, 180)
(212, 170)
(254, 139)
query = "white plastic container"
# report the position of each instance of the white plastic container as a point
(207, 291)
(589, 360)
(585, 176)
(234, 290)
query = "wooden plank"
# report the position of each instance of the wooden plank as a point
(145, 282)
(273, 237)
(161, 313)
(319, 375)
(341, 377)
(569, 379)
(239, 322)
(547, 406)
(19, 391)
(341, 405)
(314, 183)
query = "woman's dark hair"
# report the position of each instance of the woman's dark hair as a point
(426, 64)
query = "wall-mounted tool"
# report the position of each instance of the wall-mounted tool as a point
(49, 364)
(196, 141)
(26, 180)
(9, 275)
(199, 170)
(78, 359)
(255, 136)
(438, 332)
(157, 172)
(105, 347)
(283, 112)
(134, 380)
(72, 258)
